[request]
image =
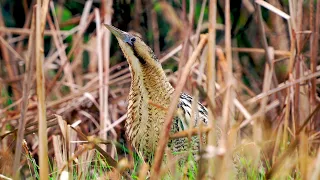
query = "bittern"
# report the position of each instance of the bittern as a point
(150, 84)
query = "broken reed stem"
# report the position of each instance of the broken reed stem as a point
(110, 161)
(164, 136)
(39, 50)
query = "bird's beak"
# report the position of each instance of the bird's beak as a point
(124, 36)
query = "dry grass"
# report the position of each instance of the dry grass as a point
(72, 115)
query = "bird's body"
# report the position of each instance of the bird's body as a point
(150, 95)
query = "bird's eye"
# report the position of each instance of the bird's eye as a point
(130, 39)
(133, 40)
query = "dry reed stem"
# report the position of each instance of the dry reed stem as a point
(164, 136)
(190, 132)
(101, 75)
(59, 153)
(4, 177)
(269, 53)
(273, 9)
(110, 161)
(76, 63)
(299, 19)
(298, 98)
(296, 74)
(65, 133)
(316, 172)
(314, 52)
(107, 9)
(59, 45)
(268, 75)
(277, 165)
(261, 51)
(24, 31)
(76, 42)
(211, 78)
(248, 120)
(114, 124)
(200, 22)
(200, 75)
(188, 24)
(227, 141)
(54, 104)
(14, 52)
(194, 111)
(41, 12)
(29, 72)
(68, 163)
(283, 86)
(293, 39)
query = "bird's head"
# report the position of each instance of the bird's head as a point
(135, 50)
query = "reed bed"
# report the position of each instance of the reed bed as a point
(64, 85)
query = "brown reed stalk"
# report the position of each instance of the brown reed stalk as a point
(164, 136)
(25, 94)
(211, 75)
(41, 12)
(227, 141)
(107, 10)
(314, 50)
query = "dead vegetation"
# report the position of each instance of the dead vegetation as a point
(64, 90)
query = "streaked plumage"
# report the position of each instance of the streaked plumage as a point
(150, 89)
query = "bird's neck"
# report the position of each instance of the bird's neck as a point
(149, 97)
(152, 84)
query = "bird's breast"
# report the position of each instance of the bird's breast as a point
(146, 112)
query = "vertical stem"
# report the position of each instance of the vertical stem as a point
(228, 108)
(107, 6)
(100, 72)
(211, 75)
(314, 52)
(43, 140)
(25, 94)
(164, 136)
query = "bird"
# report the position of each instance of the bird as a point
(149, 84)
